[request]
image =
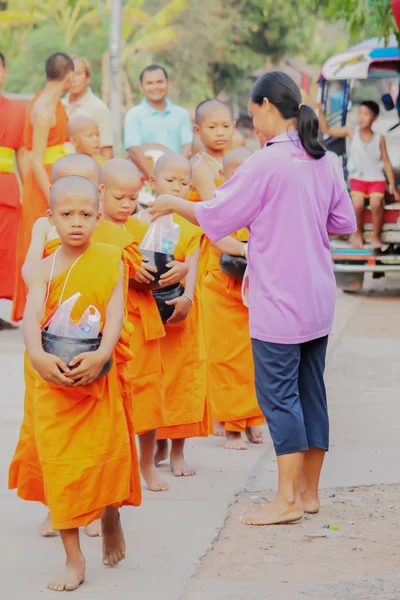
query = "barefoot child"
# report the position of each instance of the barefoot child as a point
(367, 177)
(83, 133)
(183, 348)
(122, 183)
(86, 475)
(231, 389)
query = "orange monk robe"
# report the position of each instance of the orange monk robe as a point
(148, 376)
(82, 435)
(12, 122)
(184, 360)
(34, 203)
(231, 389)
(25, 472)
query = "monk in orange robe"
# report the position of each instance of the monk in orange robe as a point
(12, 122)
(122, 183)
(25, 473)
(183, 348)
(231, 387)
(44, 137)
(85, 476)
(84, 135)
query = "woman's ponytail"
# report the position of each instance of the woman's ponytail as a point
(285, 95)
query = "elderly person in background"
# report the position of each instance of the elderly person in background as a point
(81, 101)
(156, 123)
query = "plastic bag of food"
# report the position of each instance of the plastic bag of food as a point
(162, 236)
(60, 322)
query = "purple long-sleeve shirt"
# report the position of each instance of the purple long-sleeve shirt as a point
(289, 202)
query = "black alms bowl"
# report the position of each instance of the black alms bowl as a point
(67, 348)
(234, 266)
(165, 295)
(159, 260)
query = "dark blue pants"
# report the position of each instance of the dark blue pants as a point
(291, 393)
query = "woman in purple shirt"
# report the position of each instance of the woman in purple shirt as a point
(290, 195)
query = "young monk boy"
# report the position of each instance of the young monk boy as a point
(183, 348)
(86, 475)
(83, 133)
(122, 183)
(25, 473)
(231, 388)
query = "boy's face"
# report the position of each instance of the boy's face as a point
(87, 141)
(216, 129)
(365, 117)
(75, 217)
(173, 180)
(120, 198)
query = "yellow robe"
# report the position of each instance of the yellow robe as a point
(231, 388)
(184, 361)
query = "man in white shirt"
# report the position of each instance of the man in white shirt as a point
(81, 101)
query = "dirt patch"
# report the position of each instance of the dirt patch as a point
(358, 558)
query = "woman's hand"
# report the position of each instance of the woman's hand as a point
(182, 309)
(163, 205)
(176, 273)
(144, 274)
(393, 192)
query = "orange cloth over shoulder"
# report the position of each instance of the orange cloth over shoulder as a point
(12, 122)
(184, 360)
(34, 203)
(148, 376)
(231, 389)
(82, 434)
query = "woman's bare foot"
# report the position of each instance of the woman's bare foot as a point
(255, 435)
(114, 547)
(94, 529)
(161, 451)
(357, 241)
(235, 441)
(376, 243)
(311, 504)
(46, 528)
(154, 482)
(71, 579)
(219, 430)
(275, 513)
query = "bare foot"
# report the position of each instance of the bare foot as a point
(357, 241)
(376, 243)
(94, 529)
(46, 528)
(71, 579)
(219, 430)
(154, 482)
(255, 435)
(275, 513)
(235, 441)
(114, 547)
(311, 504)
(179, 467)
(161, 451)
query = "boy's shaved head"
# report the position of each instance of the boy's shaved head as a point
(211, 106)
(236, 157)
(78, 124)
(80, 165)
(171, 159)
(72, 186)
(116, 169)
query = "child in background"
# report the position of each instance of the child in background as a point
(367, 177)
(83, 133)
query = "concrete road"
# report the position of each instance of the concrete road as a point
(169, 535)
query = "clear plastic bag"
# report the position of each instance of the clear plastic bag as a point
(61, 324)
(162, 236)
(245, 288)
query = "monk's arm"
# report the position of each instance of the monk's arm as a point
(229, 245)
(114, 319)
(192, 261)
(187, 150)
(23, 162)
(183, 304)
(137, 156)
(35, 252)
(107, 152)
(41, 128)
(203, 181)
